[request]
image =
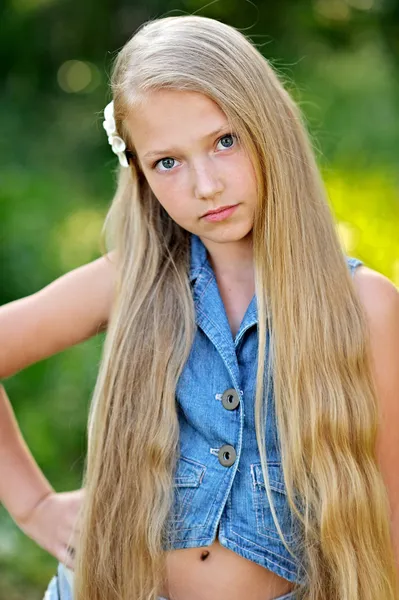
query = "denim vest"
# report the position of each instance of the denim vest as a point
(218, 480)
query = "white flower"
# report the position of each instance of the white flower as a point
(109, 126)
(109, 110)
(117, 144)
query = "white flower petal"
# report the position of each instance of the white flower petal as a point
(118, 145)
(122, 159)
(109, 110)
(109, 125)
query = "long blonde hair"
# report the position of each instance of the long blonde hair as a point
(325, 399)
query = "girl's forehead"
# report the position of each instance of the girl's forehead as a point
(168, 97)
(166, 116)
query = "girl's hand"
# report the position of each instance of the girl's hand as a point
(53, 524)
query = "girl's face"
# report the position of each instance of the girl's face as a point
(194, 163)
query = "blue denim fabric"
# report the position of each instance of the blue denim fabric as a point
(207, 493)
(60, 587)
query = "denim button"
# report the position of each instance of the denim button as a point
(227, 455)
(230, 399)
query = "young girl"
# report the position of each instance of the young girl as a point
(248, 364)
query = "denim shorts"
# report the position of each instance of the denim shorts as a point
(60, 587)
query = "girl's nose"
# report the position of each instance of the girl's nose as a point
(207, 182)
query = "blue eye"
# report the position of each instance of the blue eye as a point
(228, 136)
(168, 160)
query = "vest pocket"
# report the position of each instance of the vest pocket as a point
(264, 518)
(188, 477)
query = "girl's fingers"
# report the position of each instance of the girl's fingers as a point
(73, 538)
(67, 556)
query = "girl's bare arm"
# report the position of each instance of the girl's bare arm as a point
(67, 311)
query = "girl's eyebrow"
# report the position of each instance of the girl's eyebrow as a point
(155, 153)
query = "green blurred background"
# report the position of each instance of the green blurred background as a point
(340, 59)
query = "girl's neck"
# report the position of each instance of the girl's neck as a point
(232, 261)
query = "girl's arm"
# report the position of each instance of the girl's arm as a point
(380, 299)
(69, 310)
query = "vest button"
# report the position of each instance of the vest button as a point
(227, 455)
(230, 399)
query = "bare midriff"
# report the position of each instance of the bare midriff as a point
(215, 572)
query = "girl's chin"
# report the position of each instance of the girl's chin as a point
(225, 234)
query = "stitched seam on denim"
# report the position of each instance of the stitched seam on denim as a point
(184, 500)
(283, 556)
(230, 366)
(269, 560)
(186, 503)
(212, 322)
(220, 332)
(199, 297)
(275, 485)
(191, 539)
(184, 511)
(263, 529)
(237, 341)
(197, 465)
(196, 289)
(202, 525)
(210, 512)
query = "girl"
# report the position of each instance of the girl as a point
(248, 364)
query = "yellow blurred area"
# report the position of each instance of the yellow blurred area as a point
(366, 207)
(76, 240)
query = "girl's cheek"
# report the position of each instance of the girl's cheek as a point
(159, 189)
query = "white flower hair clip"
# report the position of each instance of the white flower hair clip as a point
(117, 144)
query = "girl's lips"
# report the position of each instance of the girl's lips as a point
(222, 214)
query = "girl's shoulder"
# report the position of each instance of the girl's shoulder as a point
(380, 299)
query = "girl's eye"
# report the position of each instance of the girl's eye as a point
(229, 137)
(165, 162)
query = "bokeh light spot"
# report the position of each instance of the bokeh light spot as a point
(361, 4)
(77, 76)
(77, 238)
(347, 235)
(333, 10)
